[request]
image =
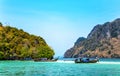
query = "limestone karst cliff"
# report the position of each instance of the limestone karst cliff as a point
(103, 41)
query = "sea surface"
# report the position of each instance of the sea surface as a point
(105, 67)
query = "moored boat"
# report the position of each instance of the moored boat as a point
(86, 60)
(45, 60)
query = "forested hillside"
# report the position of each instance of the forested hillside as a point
(15, 44)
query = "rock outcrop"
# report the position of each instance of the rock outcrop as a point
(103, 41)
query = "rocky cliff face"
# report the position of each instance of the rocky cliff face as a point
(102, 41)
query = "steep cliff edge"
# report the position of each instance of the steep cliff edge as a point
(103, 41)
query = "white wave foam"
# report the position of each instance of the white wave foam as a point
(64, 61)
(101, 62)
(108, 62)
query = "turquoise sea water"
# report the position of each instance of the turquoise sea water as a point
(106, 67)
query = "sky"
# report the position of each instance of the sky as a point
(59, 22)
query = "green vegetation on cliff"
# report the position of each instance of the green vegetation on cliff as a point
(17, 44)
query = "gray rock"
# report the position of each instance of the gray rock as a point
(102, 41)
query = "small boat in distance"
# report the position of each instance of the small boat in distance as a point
(45, 60)
(86, 60)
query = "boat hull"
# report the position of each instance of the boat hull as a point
(89, 61)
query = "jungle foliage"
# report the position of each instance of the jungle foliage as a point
(15, 44)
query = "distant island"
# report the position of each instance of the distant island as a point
(15, 44)
(103, 41)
